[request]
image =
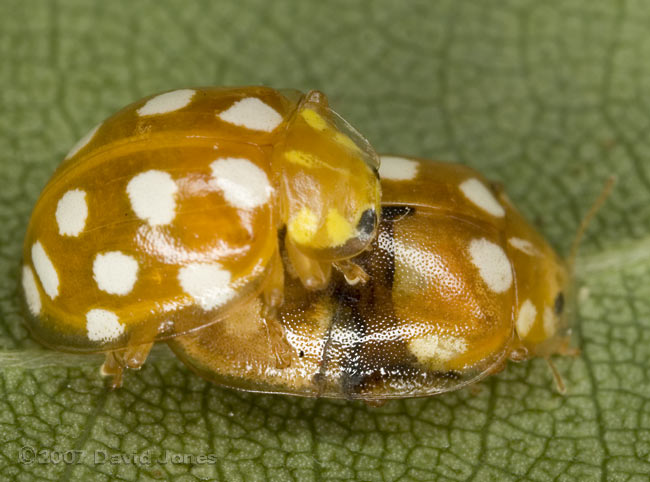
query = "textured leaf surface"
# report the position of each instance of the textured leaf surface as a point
(548, 97)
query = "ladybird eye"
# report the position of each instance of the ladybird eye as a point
(559, 303)
(367, 223)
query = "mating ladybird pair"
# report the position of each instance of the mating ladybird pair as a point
(247, 227)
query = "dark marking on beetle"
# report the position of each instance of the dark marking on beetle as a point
(379, 260)
(367, 224)
(357, 359)
(394, 213)
(369, 363)
(385, 258)
(347, 335)
(559, 303)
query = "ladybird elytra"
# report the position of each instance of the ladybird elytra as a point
(457, 283)
(167, 214)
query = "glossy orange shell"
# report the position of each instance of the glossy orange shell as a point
(167, 214)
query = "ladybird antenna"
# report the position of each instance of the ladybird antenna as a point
(559, 382)
(588, 217)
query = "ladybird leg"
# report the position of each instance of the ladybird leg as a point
(273, 292)
(113, 367)
(278, 342)
(559, 382)
(280, 347)
(136, 355)
(273, 297)
(353, 272)
(116, 361)
(133, 356)
(313, 274)
(137, 350)
(519, 354)
(564, 349)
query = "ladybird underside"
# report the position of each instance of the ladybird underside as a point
(346, 342)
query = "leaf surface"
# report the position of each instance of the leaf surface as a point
(550, 98)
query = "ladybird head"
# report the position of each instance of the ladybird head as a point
(544, 295)
(330, 180)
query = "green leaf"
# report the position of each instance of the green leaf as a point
(548, 97)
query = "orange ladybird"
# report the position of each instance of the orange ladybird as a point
(169, 214)
(458, 283)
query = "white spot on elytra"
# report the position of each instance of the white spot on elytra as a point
(550, 322)
(524, 246)
(45, 270)
(492, 263)
(152, 196)
(103, 325)
(398, 168)
(480, 195)
(253, 114)
(115, 272)
(32, 296)
(437, 348)
(208, 283)
(81, 143)
(525, 318)
(244, 185)
(167, 102)
(72, 212)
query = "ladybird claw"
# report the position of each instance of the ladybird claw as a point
(113, 368)
(116, 361)
(313, 274)
(557, 377)
(136, 355)
(353, 273)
